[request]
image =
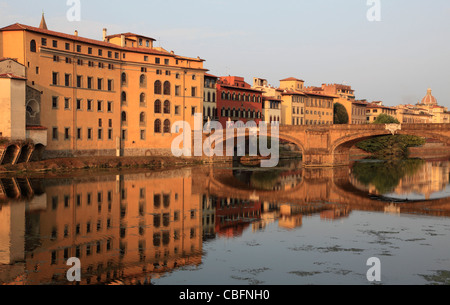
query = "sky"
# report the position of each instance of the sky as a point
(394, 60)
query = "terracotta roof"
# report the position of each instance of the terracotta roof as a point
(130, 35)
(12, 76)
(240, 88)
(210, 75)
(22, 27)
(320, 94)
(291, 92)
(291, 79)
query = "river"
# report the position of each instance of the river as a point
(231, 225)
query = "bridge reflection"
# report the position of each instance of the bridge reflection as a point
(136, 227)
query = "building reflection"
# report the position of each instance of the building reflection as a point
(130, 229)
(425, 179)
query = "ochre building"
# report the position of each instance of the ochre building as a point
(118, 96)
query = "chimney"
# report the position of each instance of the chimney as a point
(76, 33)
(122, 40)
(104, 34)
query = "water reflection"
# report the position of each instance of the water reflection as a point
(135, 228)
(412, 179)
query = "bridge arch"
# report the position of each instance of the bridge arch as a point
(281, 137)
(340, 149)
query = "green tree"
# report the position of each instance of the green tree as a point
(386, 119)
(340, 114)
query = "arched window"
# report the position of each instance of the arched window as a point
(209, 97)
(214, 97)
(33, 46)
(167, 107)
(142, 98)
(124, 97)
(157, 106)
(157, 126)
(209, 112)
(124, 78)
(224, 95)
(124, 117)
(239, 97)
(143, 81)
(32, 108)
(166, 126)
(142, 118)
(158, 87)
(166, 88)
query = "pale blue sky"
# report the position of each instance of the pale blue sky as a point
(321, 41)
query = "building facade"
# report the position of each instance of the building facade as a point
(271, 101)
(210, 98)
(119, 96)
(237, 101)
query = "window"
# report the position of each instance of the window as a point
(166, 61)
(89, 105)
(100, 83)
(145, 58)
(158, 126)
(167, 107)
(79, 81)
(79, 133)
(100, 134)
(158, 87)
(166, 88)
(157, 60)
(142, 118)
(66, 133)
(79, 102)
(142, 81)
(157, 106)
(177, 90)
(55, 58)
(177, 110)
(110, 134)
(89, 82)
(110, 84)
(166, 126)
(67, 46)
(55, 78)
(142, 99)
(123, 98)
(124, 117)
(67, 80)
(89, 136)
(67, 103)
(124, 79)
(110, 107)
(100, 52)
(55, 133)
(100, 106)
(44, 41)
(55, 102)
(109, 54)
(68, 60)
(89, 51)
(78, 48)
(194, 91)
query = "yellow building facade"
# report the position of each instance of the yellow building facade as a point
(119, 96)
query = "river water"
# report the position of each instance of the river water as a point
(231, 225)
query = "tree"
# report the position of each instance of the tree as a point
(340, 114)
(386, 119)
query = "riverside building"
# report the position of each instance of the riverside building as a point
(118, 96)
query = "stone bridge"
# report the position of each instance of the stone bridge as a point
(329, 146)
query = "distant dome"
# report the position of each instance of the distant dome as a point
(429, 99)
